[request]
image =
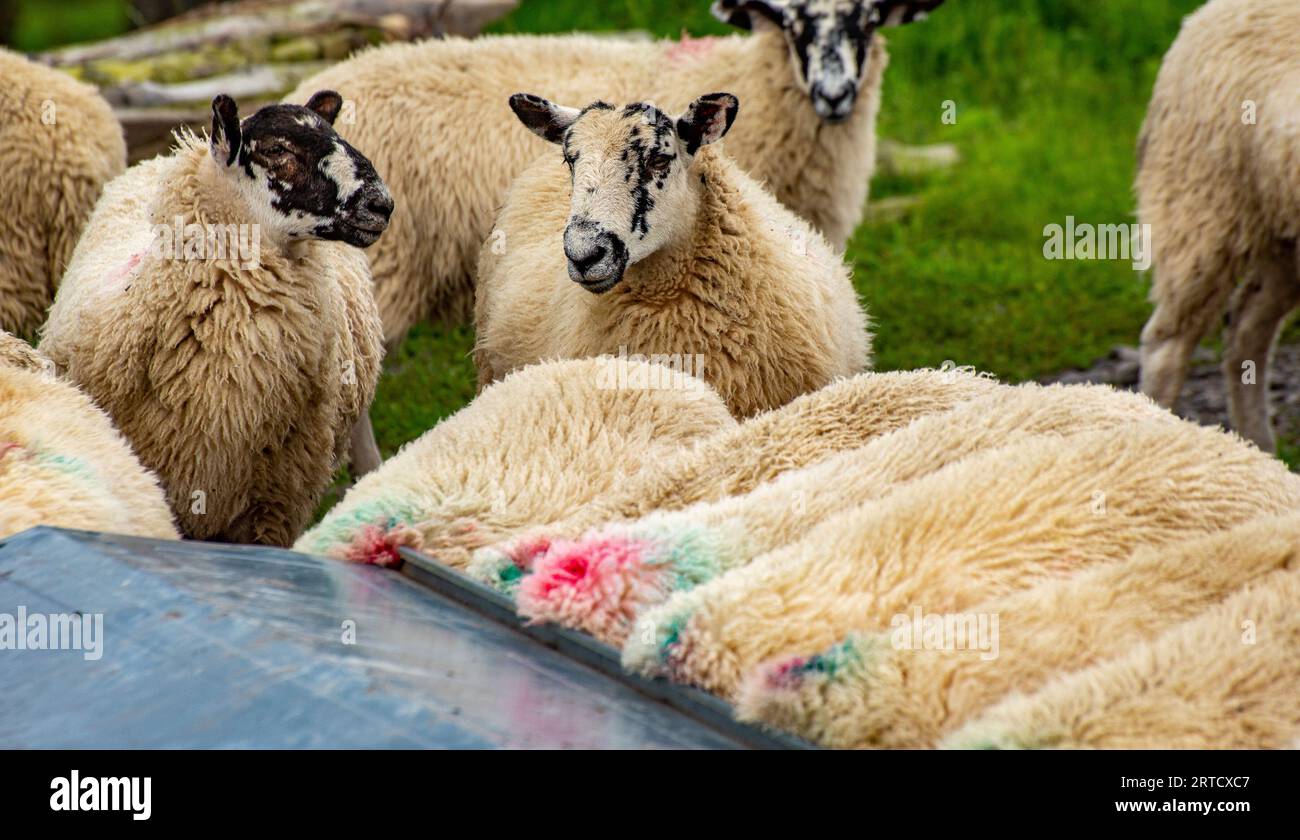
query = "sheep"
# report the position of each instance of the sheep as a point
(1217, 185)
(61, 461)
(668, 248)
(534, 447)
(870, 691)
(989, 525)
(235, 368)
(59, 145)
(810, 75)
(841, 416)
(1227, 679)
(600, 582)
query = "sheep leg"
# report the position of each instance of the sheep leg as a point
(364, 454)
(1186, 309)
(1271, 291)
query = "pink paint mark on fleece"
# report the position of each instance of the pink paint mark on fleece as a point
(597, 584)
(786, 676)
(119, 274)
(528, 550)
(689, 48)
(9, 446)
(375, 546)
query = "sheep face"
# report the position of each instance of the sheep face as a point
(299, 179)
(630, 169)
(828, 40)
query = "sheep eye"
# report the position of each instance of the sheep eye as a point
(276, 150)
(660, 164)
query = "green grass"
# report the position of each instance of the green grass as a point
(45, 23)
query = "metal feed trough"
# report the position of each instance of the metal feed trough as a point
(207, 646)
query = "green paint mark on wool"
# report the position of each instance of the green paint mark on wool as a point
(690, 553)
(674, 637)
(342, 528)
(64, 463)
(74, 467)
(834, 660)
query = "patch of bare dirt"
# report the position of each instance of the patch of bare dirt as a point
(1204, 398)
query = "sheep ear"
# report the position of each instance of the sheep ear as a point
(750, 14)
(226, 136)
(899, 12)
(707, 120)
(326, 104)
(546, 119)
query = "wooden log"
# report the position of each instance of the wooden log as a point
(276, 21)
(266, 82)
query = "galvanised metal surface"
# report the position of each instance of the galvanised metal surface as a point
(209, 645)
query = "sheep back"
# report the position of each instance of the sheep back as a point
(61, 461)
(532, 448)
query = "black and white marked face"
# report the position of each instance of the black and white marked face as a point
(300, 178)
(829, 40)
(630, 166)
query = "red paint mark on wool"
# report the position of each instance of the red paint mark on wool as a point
(688, 48)
(787, 675)
(8, 446)
(120, 273)
(374, 546)
(528, 550)
(582, 568)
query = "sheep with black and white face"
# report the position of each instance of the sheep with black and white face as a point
(219, 308)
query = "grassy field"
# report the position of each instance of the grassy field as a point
(1049, 96)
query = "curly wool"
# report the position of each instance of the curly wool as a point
(987, 526)
(843, 415)
(1201, 684)
(535, 447)
(671, 551)
(61, 461)
(886, 695)
(59, 145)
(434, 117)
(238, 385)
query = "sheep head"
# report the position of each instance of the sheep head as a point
(299, 178)
(828, 40)
(630, 168)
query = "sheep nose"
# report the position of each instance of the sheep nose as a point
(381, 205)
(585, 245)
(834, 105)
(583, 264)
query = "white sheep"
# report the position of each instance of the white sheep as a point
(1217, 183)
(59, 145)
(535, 447)
(219, 308)
(669, 249)
(61, 461)
(876, 690)
(1227, 679)
(991, 524)
(430, 115)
